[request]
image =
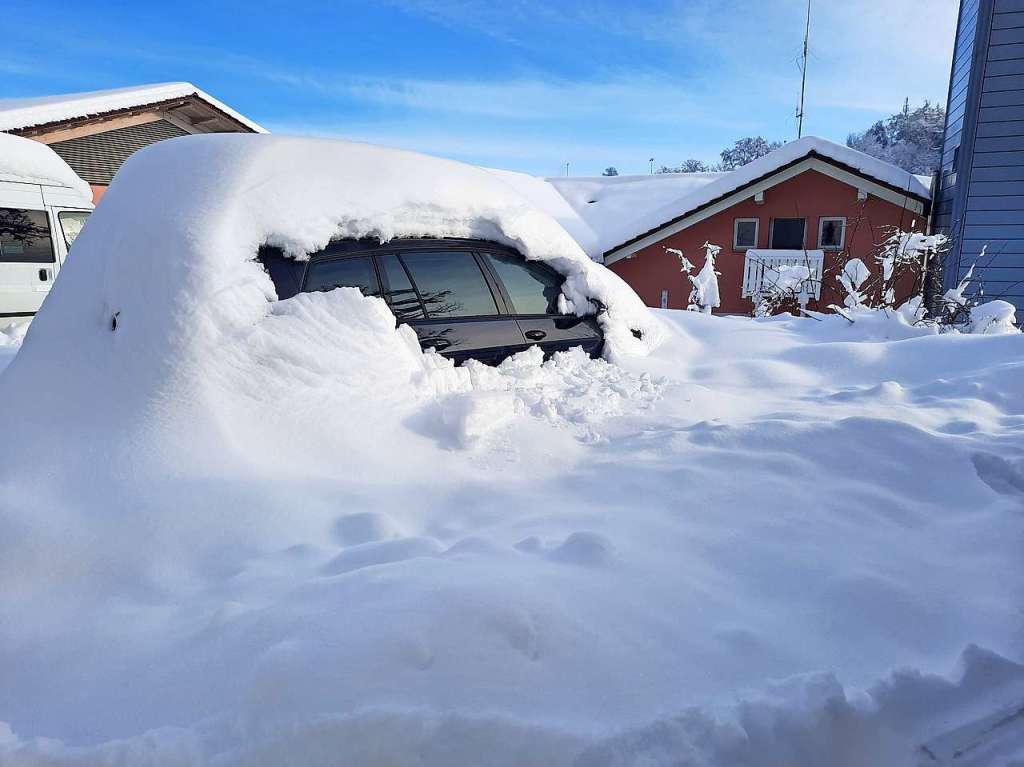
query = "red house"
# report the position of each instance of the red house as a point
(811, 202)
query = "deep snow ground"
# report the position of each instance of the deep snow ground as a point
(769, 542)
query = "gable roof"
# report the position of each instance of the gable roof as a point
(624, 209)
(17, 114)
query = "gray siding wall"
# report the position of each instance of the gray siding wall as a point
(96, 158)
(981, 193)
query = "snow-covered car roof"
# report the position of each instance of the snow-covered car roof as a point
(26, 161)
(173, 246)
(21, 113)
(617, 209)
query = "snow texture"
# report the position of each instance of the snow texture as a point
(247, 532)
(704, 297)
(852, 277)
(619, 208)
(18, 113)
(26, 161)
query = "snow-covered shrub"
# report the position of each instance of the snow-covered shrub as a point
(704, 297)
(901, 252)
(969, 313)
(781, 286)
(684, 263)
(852, 278)
(994, 317)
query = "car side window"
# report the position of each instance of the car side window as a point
(25, 236)
(450, 283)
(398, 290)
(534, 288)
(71, 223)
(342, 273)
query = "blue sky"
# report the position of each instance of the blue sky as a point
(521, 84)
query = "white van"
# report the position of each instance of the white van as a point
(43, 206)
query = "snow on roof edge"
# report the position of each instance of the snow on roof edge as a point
(729, 183)
(18, 114)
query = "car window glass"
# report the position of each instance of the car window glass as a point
(71, 223)
(398, 290)
(450, 283)
(533, 288)
(343, 273)
(25, 236)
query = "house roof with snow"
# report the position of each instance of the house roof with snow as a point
(625, 213)
(30, 116)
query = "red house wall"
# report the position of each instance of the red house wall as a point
(810, 195)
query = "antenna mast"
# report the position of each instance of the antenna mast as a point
(803, 75)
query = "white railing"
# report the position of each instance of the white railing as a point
(761, 270)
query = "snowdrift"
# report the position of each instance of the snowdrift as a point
(236, 531)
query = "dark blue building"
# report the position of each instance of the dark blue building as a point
(980, 197)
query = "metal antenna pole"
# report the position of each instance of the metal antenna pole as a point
(803, 75)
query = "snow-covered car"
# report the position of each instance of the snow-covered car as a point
(464, 298)
(43, 206)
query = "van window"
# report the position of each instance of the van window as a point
(25, 236)
(71, 223)
(398, 290)
(343, 273)
(450, 283)
(533, 288)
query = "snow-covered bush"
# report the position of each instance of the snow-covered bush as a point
(684, 263)
(852, 278)
(902, 252)
(993, 318)
(705, 297)
(781, 286)
(969, 313)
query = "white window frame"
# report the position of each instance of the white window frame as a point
(821, 231)
(736, 229)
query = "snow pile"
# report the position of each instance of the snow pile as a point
(31, 162)
(993, 317)
(570, 390)
(560, 563)
(237, 531)
(18, 113)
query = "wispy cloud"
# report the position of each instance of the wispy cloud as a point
(551, 82)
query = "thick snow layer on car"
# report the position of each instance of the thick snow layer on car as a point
(31, 162)
(767, 542)
(149, 315)
(18, 113)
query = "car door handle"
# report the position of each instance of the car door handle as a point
(44, 275)
(535, 335)
(435, 343)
